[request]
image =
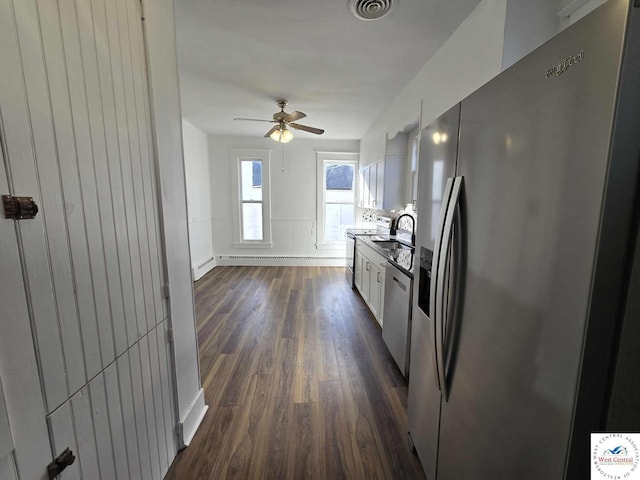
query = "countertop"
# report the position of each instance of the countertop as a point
(402, 258)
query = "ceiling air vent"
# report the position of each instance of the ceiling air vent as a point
(371, 9)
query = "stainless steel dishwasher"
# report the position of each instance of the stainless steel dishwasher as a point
(396, 328)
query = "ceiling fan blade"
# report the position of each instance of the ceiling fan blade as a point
(317, 131)
(293, 116)
(255, 120)
(271, 131)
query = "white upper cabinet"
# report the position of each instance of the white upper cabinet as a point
(382, 183)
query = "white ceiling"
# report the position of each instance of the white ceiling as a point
(236, 57)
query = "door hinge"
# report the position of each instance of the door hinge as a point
(19, 208)
(165, 291)
(61, 462)
(170, 335)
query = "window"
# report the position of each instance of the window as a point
(251, 198)
(336, 196)
(252, 222)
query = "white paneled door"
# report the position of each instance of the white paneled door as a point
(84, 356)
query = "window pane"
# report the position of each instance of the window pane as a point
(339, 177)
(337, 219)
(251, 172)
(257, 174)
(252, 221)
(339, 196)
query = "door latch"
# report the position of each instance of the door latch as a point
(19, 208)
(61, 462)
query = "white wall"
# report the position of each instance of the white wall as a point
(293, 193)
(528, 25)
(166, 115)
(471, 57)
(196, 165)
(576, 9)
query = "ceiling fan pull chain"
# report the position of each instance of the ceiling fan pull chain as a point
(283, 157)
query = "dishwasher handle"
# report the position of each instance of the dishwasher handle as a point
(400, 284)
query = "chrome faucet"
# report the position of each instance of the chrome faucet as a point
(394, 228)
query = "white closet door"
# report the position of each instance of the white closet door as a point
(84, 339)
(6, 442)
(22, 414)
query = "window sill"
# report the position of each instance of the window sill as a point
(331, 246)
(252, 245)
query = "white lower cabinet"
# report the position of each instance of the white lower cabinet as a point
(370, 273)
(376, 291)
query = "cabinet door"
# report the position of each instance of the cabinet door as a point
(380, 293)
(395, 170)
(380, 187)
(366, 275)
(368, 190)
(376, 292)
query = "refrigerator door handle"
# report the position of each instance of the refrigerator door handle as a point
(435, 268)
(441, 299)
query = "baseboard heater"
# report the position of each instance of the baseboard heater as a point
(278, 260)
(203, 268)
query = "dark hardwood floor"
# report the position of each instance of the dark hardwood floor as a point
(298, 381)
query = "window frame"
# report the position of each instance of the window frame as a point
(237, 156)
(332, 158)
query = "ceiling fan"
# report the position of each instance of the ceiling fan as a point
(280, 132)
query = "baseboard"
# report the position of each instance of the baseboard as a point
(277, 261)
(190, 423)
(203, 268)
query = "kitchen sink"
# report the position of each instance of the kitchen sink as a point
(391, 244)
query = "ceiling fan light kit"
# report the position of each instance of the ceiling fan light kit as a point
(280, 132)
(282, 135)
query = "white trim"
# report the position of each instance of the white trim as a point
(252, 244)
(337, 155)
(280, 261)
(403, 124)
(192, 420)
(571, 7)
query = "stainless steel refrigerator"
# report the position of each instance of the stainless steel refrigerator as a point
(528, 219)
